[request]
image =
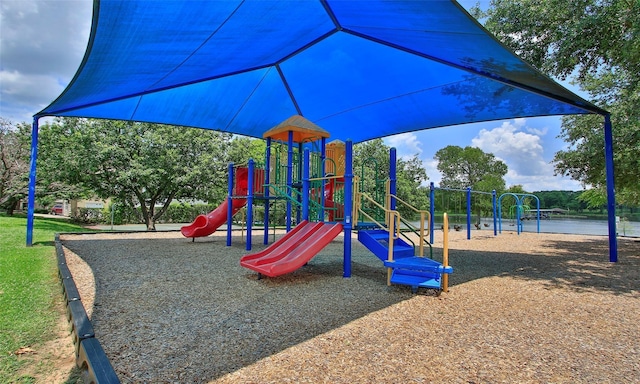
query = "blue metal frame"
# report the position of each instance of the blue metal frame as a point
(518, 197)
(230, 178)
(468, 213)
(250, 182)
(611, 196)
(267, 180)
(348, 207)
(393, 176)
(432, 210)
(32, 181)
(305, 186)
(289, 178)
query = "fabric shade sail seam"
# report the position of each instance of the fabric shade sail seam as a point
(365, 105)
(246, 100)
(288, 88)
(135, 109)
(204, 42)
(331, 14)
(150, 91)
(587, 106)
(306, 46)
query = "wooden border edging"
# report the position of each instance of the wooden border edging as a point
(90, 357)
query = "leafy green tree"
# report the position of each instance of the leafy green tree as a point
(596, 44)
(470, 167)
(14, 164)
(410, 185)
(15, 157)
(371, 166)
(243, 148)
(140, 164)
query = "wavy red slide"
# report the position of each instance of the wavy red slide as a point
(292, 251)
(204, 225)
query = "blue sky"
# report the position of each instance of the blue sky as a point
(43, 41)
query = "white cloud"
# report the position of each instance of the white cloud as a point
(521, 148)
(41, 48)
(405, 143)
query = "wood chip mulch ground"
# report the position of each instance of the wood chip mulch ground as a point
(529, 308)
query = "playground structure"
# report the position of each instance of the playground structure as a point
(204, 225)
(518, 210)
(317, 183)
(468, 193)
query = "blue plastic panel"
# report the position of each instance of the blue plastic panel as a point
(360, 70)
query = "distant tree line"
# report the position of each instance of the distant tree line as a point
(145, 168)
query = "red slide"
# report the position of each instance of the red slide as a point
(204, 225)
(293, 250)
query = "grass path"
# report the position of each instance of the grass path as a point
(29, 293)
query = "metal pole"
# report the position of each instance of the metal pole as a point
(229, 204)
(468, 213)
(495, 218)
(392, 177)
(113, 205)
(432, 209)
(348, 207)
(267, 180)
(289, 179)
(250, 203)
(611, 196)
(305, 186)
(323, 156)
(32, 182)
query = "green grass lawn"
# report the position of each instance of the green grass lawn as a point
(29, 289)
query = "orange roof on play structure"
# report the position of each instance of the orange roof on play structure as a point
(303, 130)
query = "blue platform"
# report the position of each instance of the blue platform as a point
(407, 268)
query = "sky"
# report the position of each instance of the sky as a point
(42, 43)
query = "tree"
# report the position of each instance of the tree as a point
(371, 165)
(140, 164)
(470, 167)
(410, 185)
(244, 148)
(596, 44)
(14, 163)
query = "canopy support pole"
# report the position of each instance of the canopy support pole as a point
(32, 182)
(611, 197)
(348, 207)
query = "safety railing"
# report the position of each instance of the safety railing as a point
(391, 224)
(332, 200)
(292, 194)
(420, 232)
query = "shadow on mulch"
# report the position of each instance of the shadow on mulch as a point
(175, 310)
(577, 266)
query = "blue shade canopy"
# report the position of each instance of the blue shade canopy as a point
(358, 69)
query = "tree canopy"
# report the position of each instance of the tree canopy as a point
(470, 167)
(14, 164)
(141, 164)
(15, 151)
(371, 165)
(596, 45)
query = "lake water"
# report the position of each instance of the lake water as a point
(561, 225)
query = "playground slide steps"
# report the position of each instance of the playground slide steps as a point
(377, 241)
(407, 269)
(417, 272)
